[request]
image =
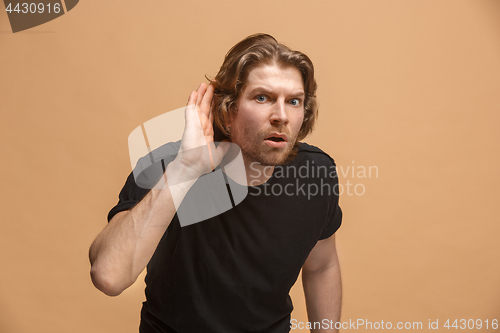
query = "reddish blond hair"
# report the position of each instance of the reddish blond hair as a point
(240, 60)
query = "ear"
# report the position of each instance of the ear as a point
(227, 126)
(230, 119)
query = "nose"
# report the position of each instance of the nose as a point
(279, 114)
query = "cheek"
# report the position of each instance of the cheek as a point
(298, 121)
(252, 119)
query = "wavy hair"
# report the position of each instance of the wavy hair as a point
(233, 74)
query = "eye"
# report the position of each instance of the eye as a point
(261, 98)
(295, 102)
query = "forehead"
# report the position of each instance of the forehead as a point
(274, 77)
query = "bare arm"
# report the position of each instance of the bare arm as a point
(123, 249)
(322, 285)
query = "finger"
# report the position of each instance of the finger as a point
(206, 104)
(210, 150)
(192, 98)
(211, 114)
(207, 98)
(190, 110)
(201, 92)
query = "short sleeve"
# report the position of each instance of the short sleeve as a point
(334, 216)
(146, 174)
(129, 196)
(334, 223)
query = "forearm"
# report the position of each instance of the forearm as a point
(125, 246)
(323, 293)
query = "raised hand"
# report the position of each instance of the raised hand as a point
(198, 154)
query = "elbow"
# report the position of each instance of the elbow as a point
(105, 282)
(103, 276)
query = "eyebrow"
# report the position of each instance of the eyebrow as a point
(260, 89)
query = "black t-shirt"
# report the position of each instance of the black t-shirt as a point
(233, 272)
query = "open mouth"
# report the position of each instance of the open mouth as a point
(276, 139)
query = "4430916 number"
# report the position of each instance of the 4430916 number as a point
(471, 324)
(33, 8)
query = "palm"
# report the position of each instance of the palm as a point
(197, 151)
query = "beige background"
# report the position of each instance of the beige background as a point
(410, 87)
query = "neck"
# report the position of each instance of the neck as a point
(257, 173)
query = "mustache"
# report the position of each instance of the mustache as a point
(267, 132)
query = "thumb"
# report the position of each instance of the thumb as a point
(220, 151)
(223, 148)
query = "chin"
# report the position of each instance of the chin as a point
(272, 159)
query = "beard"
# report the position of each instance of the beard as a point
(254, 149)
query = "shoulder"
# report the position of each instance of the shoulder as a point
(307, 152)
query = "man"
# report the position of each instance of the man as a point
(233, 272)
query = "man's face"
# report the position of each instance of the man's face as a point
(269, 114)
